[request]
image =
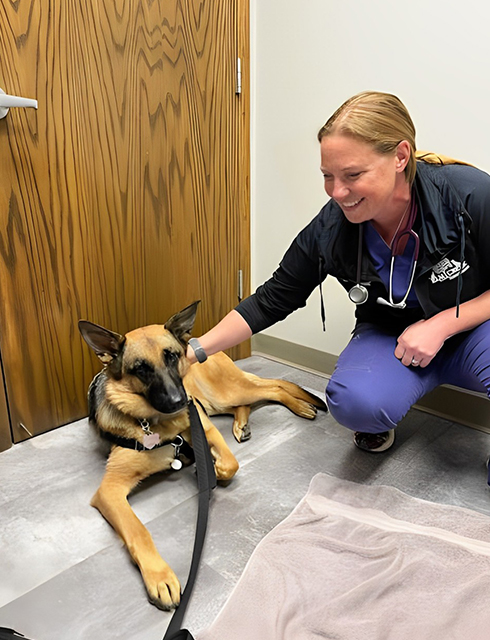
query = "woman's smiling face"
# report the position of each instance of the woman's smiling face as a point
(367, 185)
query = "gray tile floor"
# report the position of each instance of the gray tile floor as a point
(66, 576)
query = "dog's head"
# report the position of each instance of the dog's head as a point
(149, 361)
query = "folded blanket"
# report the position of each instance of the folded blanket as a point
(363, 562)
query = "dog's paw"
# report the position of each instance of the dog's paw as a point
(241, 432)
(163, 587)
(225, 468)
(307, 410)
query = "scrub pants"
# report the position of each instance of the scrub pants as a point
(371, 390)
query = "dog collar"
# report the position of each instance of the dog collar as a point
(181, 446)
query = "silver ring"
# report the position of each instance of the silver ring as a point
(415, 363)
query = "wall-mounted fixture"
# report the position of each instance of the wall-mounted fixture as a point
(7, 101)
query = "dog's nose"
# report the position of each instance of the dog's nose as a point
(177, 398)
(168, 398)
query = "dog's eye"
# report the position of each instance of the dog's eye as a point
(170, 357)
(142, 370)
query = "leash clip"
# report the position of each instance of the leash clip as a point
(176, 463)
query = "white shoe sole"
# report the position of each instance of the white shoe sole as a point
(384, 447)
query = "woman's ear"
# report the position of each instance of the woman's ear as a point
(402, 155)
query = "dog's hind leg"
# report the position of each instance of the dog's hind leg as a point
(303, 402)
(298, 400)
(125, 468)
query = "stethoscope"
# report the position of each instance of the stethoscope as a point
(359, 293)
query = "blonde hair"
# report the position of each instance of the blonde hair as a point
(379, 119)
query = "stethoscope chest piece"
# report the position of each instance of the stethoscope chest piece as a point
(358, 294)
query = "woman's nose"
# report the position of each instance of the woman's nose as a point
(337, 190)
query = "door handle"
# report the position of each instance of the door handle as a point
(7, 101)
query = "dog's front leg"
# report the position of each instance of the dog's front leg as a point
(225, 463)
(125, 468)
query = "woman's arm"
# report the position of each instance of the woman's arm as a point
(230, 331)
(287, 290)
(421, 341)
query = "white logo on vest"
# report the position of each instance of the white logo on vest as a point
(447, 270)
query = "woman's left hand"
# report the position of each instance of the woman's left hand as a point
(420, 342)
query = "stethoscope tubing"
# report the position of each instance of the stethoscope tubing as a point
(359, 294)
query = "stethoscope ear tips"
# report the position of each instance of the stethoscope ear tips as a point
(358, 294)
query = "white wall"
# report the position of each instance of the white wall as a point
(308, 56)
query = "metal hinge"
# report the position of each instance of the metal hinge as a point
(238, 76)
(240, 285)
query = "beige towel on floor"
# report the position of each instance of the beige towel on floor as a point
(363, 562)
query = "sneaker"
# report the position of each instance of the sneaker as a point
(374, 442)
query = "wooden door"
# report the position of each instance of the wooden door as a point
(124, 197)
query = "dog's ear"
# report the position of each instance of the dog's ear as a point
(182, 323)
(106, 344)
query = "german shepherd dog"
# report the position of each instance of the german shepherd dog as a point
(139, 403)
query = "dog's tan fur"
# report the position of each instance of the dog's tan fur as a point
(118, 399)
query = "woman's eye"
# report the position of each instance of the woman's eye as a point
(354, 176)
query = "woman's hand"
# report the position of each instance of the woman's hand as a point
(420, 342)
